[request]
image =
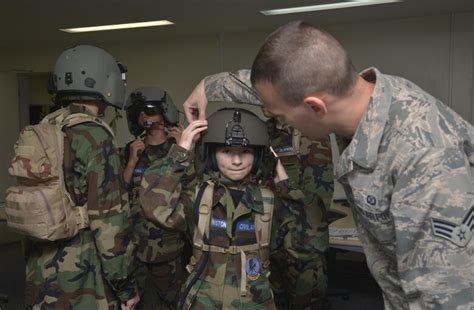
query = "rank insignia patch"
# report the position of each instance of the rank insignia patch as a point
(458, 234)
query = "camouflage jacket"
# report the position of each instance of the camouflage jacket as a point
(229, 86)
(153, 244)
(310, 170)
(89, 271)
(168, 198)
(408, 173)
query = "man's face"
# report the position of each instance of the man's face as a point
(299, 116)
(234, 162)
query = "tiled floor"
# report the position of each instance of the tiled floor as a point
(347, 275)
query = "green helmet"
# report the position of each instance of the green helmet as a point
(86, 72)
(233, 127)
(150, 100)
(236, 127)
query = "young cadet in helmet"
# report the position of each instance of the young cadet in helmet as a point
(235, 221)
(159, 268)
(301, 280)
(89, 271)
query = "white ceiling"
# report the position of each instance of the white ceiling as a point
(28, 22)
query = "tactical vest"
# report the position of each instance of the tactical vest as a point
(263, 224)
(39, 206)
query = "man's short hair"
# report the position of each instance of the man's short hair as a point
(299, 59)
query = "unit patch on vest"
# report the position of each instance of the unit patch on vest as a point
(458, 234)
(245, 226)
(253, 268)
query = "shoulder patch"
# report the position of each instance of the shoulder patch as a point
(458, 234)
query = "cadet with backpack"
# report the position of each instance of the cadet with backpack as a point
(69, 199)
(235, 221)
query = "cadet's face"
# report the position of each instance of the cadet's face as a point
(299, 116)
(143, 118)
(234, 162)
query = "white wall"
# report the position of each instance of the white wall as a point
(437, 56)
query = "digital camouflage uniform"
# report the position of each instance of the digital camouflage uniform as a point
(90, 270)
(159, 266)
(297, 282)
(408, 173)
(168, 194)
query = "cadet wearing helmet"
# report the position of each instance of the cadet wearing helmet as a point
(89, 271)
(236, 222)
(159, 268)
(301, 280)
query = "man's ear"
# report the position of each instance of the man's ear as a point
(317, 104)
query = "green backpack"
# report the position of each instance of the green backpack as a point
(39, 206)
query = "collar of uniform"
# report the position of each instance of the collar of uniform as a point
(79, 108)
(364, 146)
(251, 199)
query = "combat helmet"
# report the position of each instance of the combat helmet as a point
(233, 127)
(151, 100)
(86, 72)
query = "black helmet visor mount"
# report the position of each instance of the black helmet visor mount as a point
(235, 131)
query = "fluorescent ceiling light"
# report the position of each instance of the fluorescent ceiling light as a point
(119, 26)
(328, 6)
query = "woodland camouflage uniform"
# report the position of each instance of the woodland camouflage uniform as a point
(168, 194)
(159, 268)
(89, 271)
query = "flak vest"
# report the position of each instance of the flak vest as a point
(263, 224)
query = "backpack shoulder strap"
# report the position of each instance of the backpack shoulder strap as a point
(79, 118)
(205, 206)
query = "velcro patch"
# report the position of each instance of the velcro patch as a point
(218, 223)
(245, 226)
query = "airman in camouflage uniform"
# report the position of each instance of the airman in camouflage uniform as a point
(89, 271)
(412, 193)
(159, 266)
(408, 171)
(226, 273)
(296, 283)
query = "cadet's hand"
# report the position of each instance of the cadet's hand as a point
(175, 133)
(131, 303)
(280, 172)
(191, 134)
(195, 105)
(135, 148)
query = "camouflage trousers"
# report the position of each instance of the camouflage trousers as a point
(159, 284)
(298, 284)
